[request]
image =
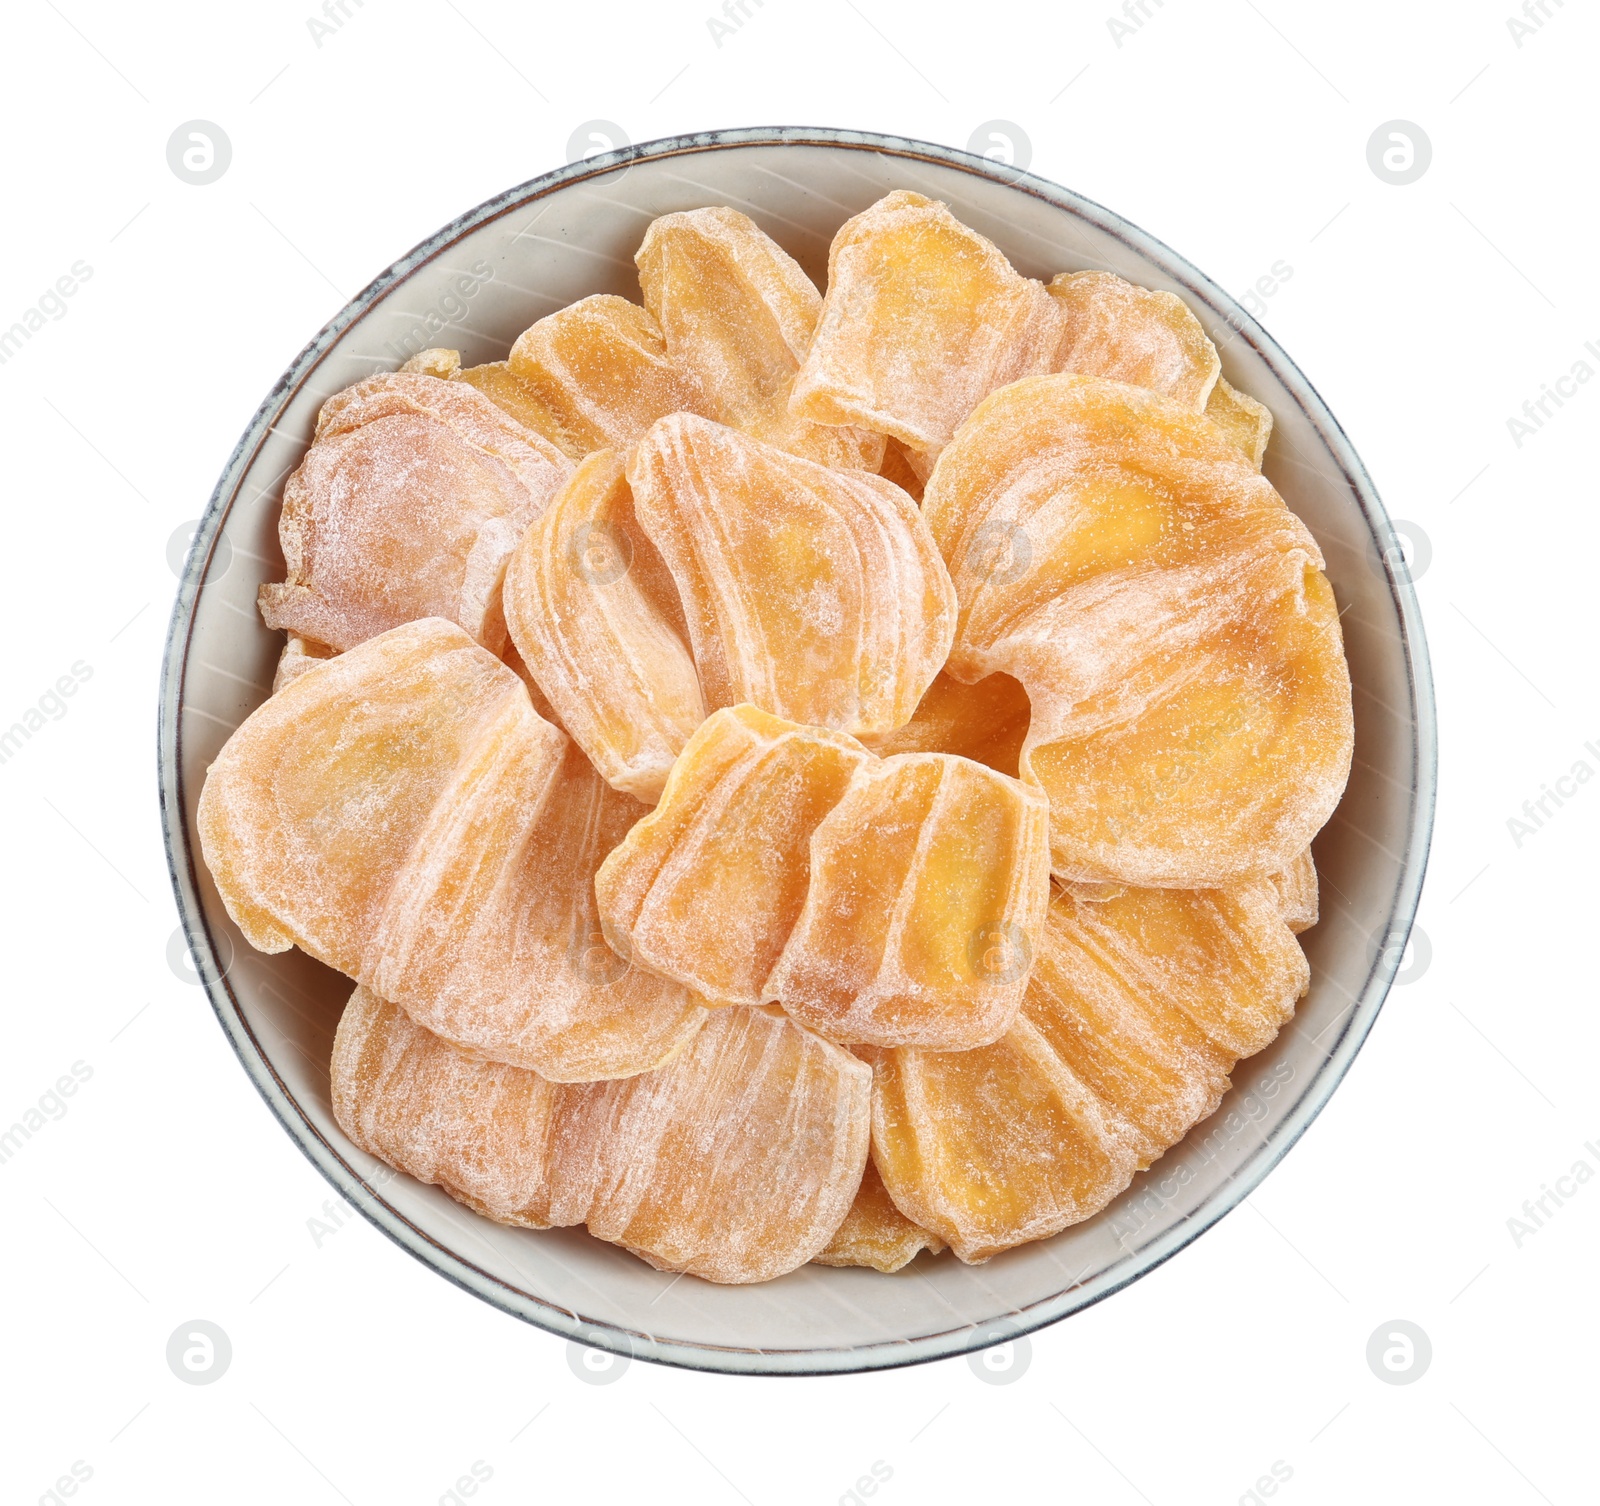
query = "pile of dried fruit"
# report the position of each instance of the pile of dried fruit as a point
(794, 777)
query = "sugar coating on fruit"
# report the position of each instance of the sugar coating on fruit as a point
(1167, 614)
(1027, 694)
(504, 388)
(706, 888)
(1118, 330)
(403, 814)
(929, 882)
(875, 1233)
(311, 808)
(1297, 888)
(818, 595)
(737, 312)
(736, 1161)
(480, 1130)
(923, 318)
(600, 367)
(1246, 422)
(1153, 996)
(299, 654)
(1138, 1009)
(596, 618)
(407, 505)
(490, 935)
(1225, 958)
(522, 400)
(994, 1147)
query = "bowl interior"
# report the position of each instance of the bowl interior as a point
(476, 286)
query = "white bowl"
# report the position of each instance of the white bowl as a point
(476, 285)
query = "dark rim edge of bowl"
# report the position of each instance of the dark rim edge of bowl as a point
(1358, 1018)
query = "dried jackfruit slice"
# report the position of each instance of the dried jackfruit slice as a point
(1168, 617)
(1152, 996)
(736, 1161)
(504, 388)
(402, 814)
(1247, 423)
(875, 1233)
(929, 881)
(597, 620)
(522, 400)
(707, 887)
(1297, 888)
(1227, 957)
(480, 1130)
(1118, 330)
(490, 936)
(923, 319)
(407, 505)
(737, 311)
(818, 595)
(994, 1147)
(299, 654)
(600, 367)
(313, 804)
(1139, 1007)
(437, 361)
(986, 721)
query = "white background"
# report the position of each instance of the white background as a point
(1237, 133)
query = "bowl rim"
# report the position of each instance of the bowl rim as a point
(182, 857)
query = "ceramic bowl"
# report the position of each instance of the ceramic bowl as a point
(476, 285)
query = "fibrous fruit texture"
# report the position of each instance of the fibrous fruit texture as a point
(600, 368)
(816, 594)
(597, 620)
(1126, 333)
(923, 319)
(707, 888)
(1138, 1009)
(735, 1161)
(403, 814)
(738, 313)
(927, 888)
(1168, 616)
(407, 505)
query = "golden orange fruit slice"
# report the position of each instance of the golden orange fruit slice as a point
(736, 1161)
(1118, 330)
(600, 368)
(1139, 1006)
(929, 881)
(923, 318)
(480, 1130)
(678, 1165)
(738, 313)
(706, 888)
(407, 505)
(1168, 616)
(597, 620)
(1247, 423)
(402, 814)
(816, 594)
(875, 1233)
